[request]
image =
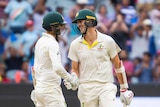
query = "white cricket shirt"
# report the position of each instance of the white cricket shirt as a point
(95, 64)
(47, 63)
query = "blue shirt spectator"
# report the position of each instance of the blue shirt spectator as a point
(29, 37)
(144, 73)
(18, 12)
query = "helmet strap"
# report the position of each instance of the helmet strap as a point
(88, 23)
(85, 31)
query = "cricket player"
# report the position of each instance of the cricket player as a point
(93, 55)
(48, 69)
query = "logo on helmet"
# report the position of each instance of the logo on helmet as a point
(77, 14)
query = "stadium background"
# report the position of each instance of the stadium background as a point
(18, 95)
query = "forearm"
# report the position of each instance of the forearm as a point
(62, 72)
(75, 68)
(122, 78)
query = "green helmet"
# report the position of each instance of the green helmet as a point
(51, 19)
(85, 14)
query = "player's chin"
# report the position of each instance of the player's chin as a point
(82, 31)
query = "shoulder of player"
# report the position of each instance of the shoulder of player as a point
(77, 40)
(104, 37)
(47, 41)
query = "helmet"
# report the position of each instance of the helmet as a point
(51, 19)
(85, 14)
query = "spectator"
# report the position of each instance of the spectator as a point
(39, 12)
(29, 38)
(103, 19)
(13, 63)
(13, 40)
(18, 12)
(21, 76)
(157, 74)
(139, 43)
(156, 67)
(33, 3)
(155, 13)
(129, 12)
(155, 19)
(60, 9)
(91, 6)
(3, 37)
(73, 28)
(142, 15)
(120, 32)
(145, 73)
(137, 64)
(3, 4)
(3, 78)
(148, 4)
(81, 4)
(148, 33)
(118, 7)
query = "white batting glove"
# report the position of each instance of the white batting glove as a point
(126, 96)
(73, 82)
(67, 84)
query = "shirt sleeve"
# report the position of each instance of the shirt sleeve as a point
(56, 62)
(114, 49)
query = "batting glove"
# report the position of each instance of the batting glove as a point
(73, 83)
(67, 84)
(126, 96)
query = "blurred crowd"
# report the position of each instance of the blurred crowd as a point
(133, 24)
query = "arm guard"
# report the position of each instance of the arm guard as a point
(121, 70)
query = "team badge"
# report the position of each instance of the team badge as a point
(101, 47)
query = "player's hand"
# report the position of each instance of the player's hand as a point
(67, 84)
(126, 96)
(73, 81)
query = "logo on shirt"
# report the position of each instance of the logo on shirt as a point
(101, 47)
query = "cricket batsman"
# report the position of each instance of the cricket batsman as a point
(93, 56)
(48, 69)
